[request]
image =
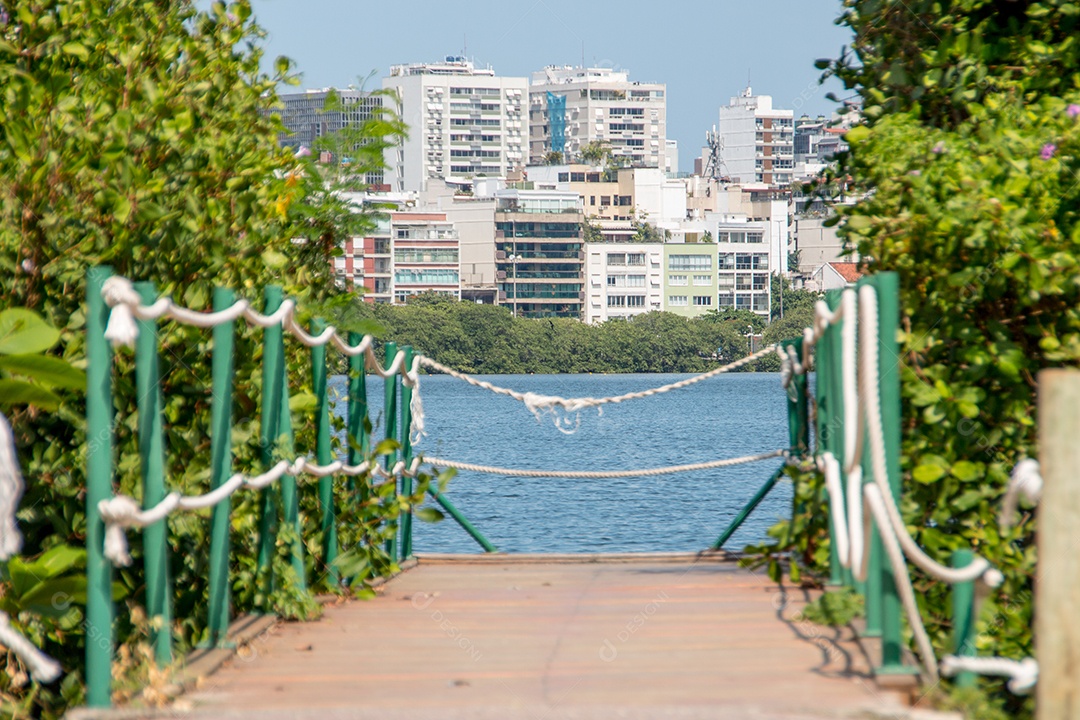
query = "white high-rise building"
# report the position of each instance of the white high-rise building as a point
(463, 121)
(758, 140)
(570, 107)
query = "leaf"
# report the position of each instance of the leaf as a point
(303, 401)
(44, 369)
(23, 331)
(928, 473)
(857, 134)
(966, 471)
(19, 392)
(77, 49)
(430, 514)
(59, 560)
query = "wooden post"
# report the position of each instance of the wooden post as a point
(1057, 590)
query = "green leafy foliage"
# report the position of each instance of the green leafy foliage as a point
(835, 608)
(142, 136)
(967, 164)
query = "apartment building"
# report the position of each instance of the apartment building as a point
(570, 107)
(623, 280)
(539, 257)
(306, 120)
(757, 140)
(689, 278)
(426, 255)
(464, 121)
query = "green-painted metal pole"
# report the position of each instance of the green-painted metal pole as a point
(152, 456)
(323, 453)
(462, 520)
(748, 508)
(270, 415)
(826, 428)
(872, 591)
(221, 457)
(963, 607)
(290, 498)
(888, 294)
(390, 415)
(359, 442)
(406, 456)
(99, 480)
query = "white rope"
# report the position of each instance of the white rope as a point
(1026, 480)
(42, 667)
(539, 404)
(11, 489)
(830, 467)
(603, 474)
(126, 306)
(122, 512)
(1022, 674)
(876, 503)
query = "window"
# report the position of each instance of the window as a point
(635, 281)
(616, 301)
(743, 261)
(690, 262)
(605, 200)
(676, 279)
(738, 236)
(676, 300)
(742, 281)
(578, 177)
(727, 300)
(635, 301)
(726, 281)
(742, 302)
(761, 281)
(761, 302)
(616, 259)
(727, 261)
(761, 261)
(563, 177)
(635, 259)
(702, 300)
(592, 200)
(703, 279)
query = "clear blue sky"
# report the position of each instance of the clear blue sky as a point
(702, 49)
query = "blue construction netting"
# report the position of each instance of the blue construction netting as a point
(557, 114)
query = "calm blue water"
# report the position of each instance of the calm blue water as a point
(727, 416)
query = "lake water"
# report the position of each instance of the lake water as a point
(726, 416)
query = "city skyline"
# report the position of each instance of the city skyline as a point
(703, 54)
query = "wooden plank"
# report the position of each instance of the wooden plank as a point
(560, 639)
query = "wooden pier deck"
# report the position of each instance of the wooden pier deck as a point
(544, 638)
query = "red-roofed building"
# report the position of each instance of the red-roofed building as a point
(836, 275)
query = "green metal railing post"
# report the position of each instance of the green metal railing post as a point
(462, 520)
(221, 403)
(99, 480)
(838, 440)
(748, 508)
(290, 498)
(152, 456)
(323, 453)
(887, 286)
(270, 416)
(798, 407)
(826, 431)
(406, 456)
(390, 394)
(358, 410)
(963, 608)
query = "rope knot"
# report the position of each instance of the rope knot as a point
(119, 294)
(118, 513)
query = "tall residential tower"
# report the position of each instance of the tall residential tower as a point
(463, 121)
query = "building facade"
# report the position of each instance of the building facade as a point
(757, 140)
(463, 121)
(539, 256)
(571, 107)
(623, 280)
(426, 255)
(689, 278)
(306, 120)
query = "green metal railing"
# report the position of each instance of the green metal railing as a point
(278, 503)
(884, 612)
